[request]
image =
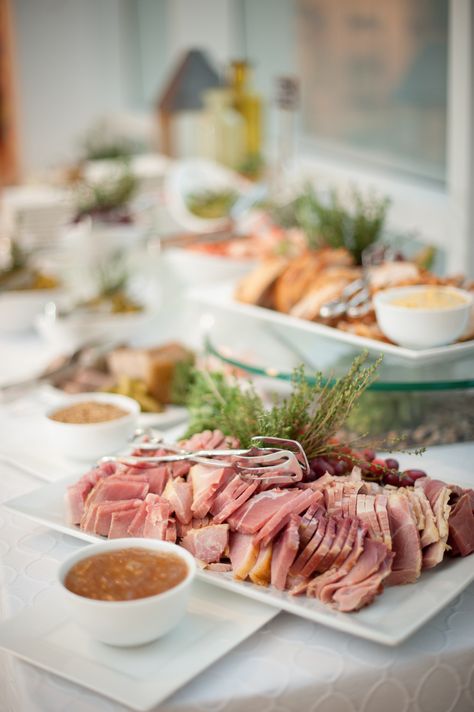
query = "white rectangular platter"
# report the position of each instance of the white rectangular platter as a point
(220, 296)
(393, 617)
(139, 677)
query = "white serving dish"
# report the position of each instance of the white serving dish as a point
(67, 332)
(394, 616)
(421, 328)
(19, 308)
(129, 623)
(89, 441)
(140, 677)
(220, 296)
(194, 268)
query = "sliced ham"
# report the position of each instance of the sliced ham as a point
(206, 481)
(348, 543)
(353, 597)
(156, 518)
(157, 476)
(208, 543)
(120, 522)
(343, 527)
(461, 527)
(180, 496)
(256, 512)
(74, 499)
(243, 554)
(315, 561)
(171, 531)
(233, 496)
(324, 586)
(429, 534)
(382, 518)
(260, 572)
(137, 524)
(406, 566)
(99, 516)
(271, 528)
(374, 554)
(306, 553)
(284, 552)
(368, 516)
(111, 489)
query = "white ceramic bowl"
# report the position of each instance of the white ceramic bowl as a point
(89, 441)
(421, 328)
(68, 332)
(192, 268)
(129, 623)
(18, 308)
(196, 175)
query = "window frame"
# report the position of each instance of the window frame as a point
(440, 215)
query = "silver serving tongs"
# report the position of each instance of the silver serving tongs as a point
(271, 465)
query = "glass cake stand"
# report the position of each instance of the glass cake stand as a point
(421, 404)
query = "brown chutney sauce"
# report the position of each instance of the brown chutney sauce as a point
(126, 574)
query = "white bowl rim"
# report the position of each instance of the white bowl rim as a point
(127, 543)
(133, 408)
(29, 293)
(382, 299)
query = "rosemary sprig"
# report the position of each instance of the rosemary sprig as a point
(313, 413)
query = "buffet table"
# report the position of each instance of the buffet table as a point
(290, 664)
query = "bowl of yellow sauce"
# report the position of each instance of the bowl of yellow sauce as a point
(423, 317)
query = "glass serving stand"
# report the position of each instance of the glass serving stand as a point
(421, 404)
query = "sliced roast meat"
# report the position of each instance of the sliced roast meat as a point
(314, 563)
(180, 496)
(256, 512)
(343, 527)
(306, 553)
(260, 572)
(285, 549)
(355, 596)
(121, 521)
(382, 518)
(461, 527)
(243, 554)
(156, 519)
(206, 481)
(208, 543)
(232, 497)
(111, 489)
(406, 565)
(324, 586)
(271, 528)
(430, 533)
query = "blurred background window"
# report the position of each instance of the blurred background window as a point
(373, 75)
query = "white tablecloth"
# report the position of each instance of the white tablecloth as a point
(289, 665)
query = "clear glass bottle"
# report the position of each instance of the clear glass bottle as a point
(286, 104)
(222, 129)
(249, 105)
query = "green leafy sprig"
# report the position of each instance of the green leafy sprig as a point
(312, 414)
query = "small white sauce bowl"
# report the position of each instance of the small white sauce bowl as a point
(89, 441)
(19, 308)
(418, 327)
(129, 623)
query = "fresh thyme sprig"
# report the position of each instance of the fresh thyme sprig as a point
(312, 414)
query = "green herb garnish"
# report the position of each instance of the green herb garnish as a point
(330, 223)
(312, 414)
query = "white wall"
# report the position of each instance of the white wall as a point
(72, 67)
(78, 60)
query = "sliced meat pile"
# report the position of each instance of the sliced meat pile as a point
(337, 539)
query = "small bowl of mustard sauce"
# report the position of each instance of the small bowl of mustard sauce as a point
(423, 317)
(89, 425)
(127, 592)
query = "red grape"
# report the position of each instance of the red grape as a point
(392, 477)
(414, 474)
(391, 463)
(340, 468)
(369, 454)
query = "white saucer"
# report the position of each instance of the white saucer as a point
(139, 677)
